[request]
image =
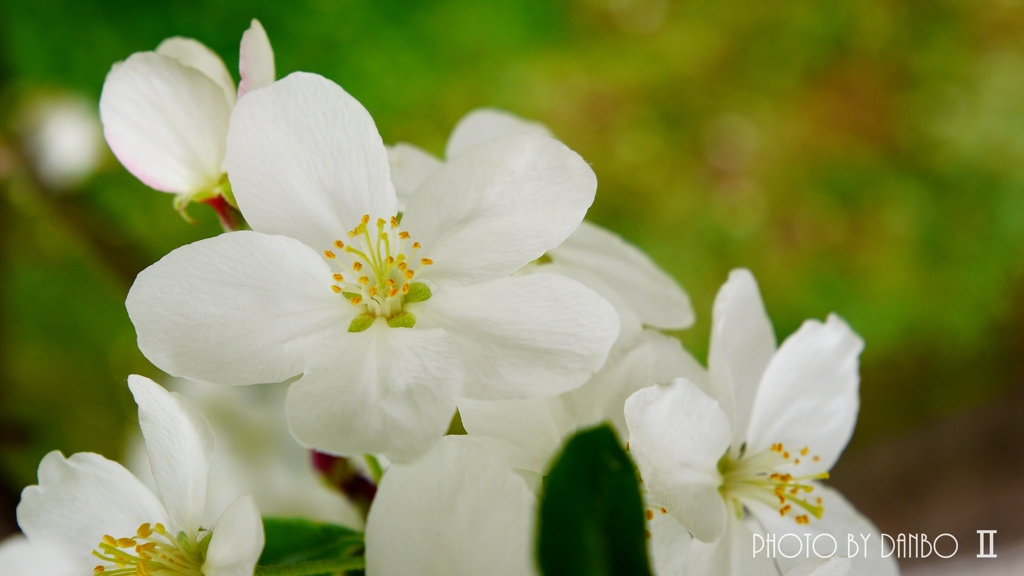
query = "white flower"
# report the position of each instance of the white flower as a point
(63, 139)
(255, 455)
(389, 324)
(19, 557)
(90, 512)
(748, 456)
(650, 292)
(165, 113)
(458, 511)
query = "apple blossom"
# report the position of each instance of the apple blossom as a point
(654, 296)
(745, 454)
(165, 113)
(389, 323)
(457, 511)
(92, 513)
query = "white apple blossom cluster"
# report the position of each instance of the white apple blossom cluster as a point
(393, 289)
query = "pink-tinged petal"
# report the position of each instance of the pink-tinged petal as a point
(166, 122)
(255, 60)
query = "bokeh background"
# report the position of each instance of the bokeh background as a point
(864, 157)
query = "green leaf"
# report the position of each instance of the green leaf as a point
(297, 540)
(591, 513)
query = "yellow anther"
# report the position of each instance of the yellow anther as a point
(364, 280)
(804, 451)
(649, 514)
(391, 260)
(426, 261)
(776, 447)
(356, 300)
(394, 222)
(403, 235)
(393, 292)
(405, 288)
(336, 288)
(816, 458)
(97, 570)
(339, 244)
(353, 233)
(803, 519)
(380, 222)
(159, 529)
(415, 245)
(785, 509)
(785, 455)
(402, 266)
(109, 540)
(125, 543)
(144, 531)
(373, 290)
(795, 462)
(339, 278)
(357, 266)
(409, 274)
(390, 282)
(365, 219)
(329, 254)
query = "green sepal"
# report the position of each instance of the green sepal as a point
(402, 320)
(204, 543)
(350, 295)
(418, 292)
(361, 322)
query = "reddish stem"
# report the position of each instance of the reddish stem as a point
(226, 213)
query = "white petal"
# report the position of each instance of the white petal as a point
(630, 327)
(669, 545)
(458, 511)
(255, 60)
(240, 308)
(524, 337)
(730, 556)
(385, 391)
(652, 358)
(80, 499)
(237, 541)
(492, 209)
(410, 166)
(809, 394)
(19, 557)
(677, 435)
(834, 566)
(840, 520)
(654, 296)
(166, 122)
(526, 434)
(195, 54)
(485, 124)
(179, 443)
(305, 160)
(742, 343)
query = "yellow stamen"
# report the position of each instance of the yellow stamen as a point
(329, 254)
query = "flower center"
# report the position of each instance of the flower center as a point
(760, 477)
(375, 271)
(152, 552)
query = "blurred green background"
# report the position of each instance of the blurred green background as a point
(863, 157)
